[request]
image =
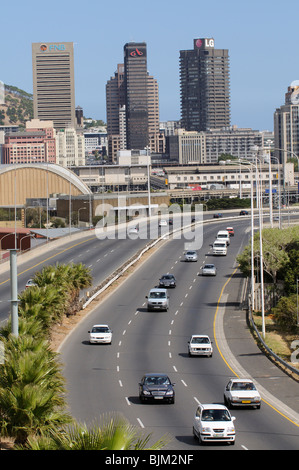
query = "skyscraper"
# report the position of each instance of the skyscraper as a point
(204, 85)
(136, 98)
(53, 83)
(132, 105)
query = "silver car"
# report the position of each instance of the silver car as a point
(209, 270)
(190, 255)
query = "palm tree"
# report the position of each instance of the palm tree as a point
(31, 389)
(69, 278)
(113, 432)
(47, 303)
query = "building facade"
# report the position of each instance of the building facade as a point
(204, 86)
(136, 97)
(54, 84)
(286, 125)
(187, 147)
(70, 148)
(37, 144)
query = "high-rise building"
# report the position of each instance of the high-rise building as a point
(286, 125)
(53, 83)
(204, 86)
(132, 104)
(136, 97)
(115, 110)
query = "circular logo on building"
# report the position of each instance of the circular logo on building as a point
(198, 43)
(43, 47)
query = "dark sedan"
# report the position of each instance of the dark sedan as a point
(167, 280)
(156, 387)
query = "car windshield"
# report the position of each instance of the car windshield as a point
(215, 415)
(209, 266)
(157, 380)
(243, 386)
(190, 253)
(200, 340)
(100, 329)
(167, 277)
(157, 295)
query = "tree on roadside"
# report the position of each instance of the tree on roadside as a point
(32, 394)
(113, 432)
(285, 312)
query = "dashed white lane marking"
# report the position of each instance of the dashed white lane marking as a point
(140, 422)
(184, 383)
(197, 401)
(174, 368)
(120, 383)
(128, 401)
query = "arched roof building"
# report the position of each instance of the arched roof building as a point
(40, 180)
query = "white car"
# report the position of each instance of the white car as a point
(133, 230)
(30, 283)
(241, 392)
(100, 334)
(214, 423)
(163, 223)
(200, 345)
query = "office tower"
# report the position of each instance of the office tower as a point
(132, 105)
(286, 126)
(136, 98)
(204, 85)
(53, 83)
(115, 110)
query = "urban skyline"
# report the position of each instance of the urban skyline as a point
(256, 36)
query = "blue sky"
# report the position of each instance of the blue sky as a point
(262, 38)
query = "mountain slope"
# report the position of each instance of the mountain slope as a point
(18, 107)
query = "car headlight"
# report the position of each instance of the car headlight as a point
(169, 392)
(231, 429)
(206, 429)
(146, 392)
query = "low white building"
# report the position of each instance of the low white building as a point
(70, 148)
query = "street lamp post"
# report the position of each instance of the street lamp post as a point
(81, 209)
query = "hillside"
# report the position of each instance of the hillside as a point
(18, 107)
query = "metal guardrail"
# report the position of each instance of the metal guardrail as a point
(271, 353)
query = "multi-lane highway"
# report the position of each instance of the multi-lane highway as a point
(103, 378)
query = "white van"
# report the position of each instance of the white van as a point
(157, 299)
(223, 235)
(220, 247)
